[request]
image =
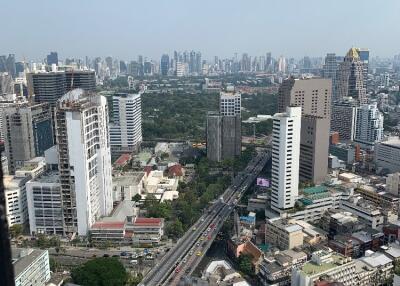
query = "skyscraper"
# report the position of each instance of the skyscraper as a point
(84, 159)
(84, 79)
(282, 66)
(350, 78)
(329, 71)
(27, 131)
(46, 86)
(369, 125)
(126, 130)
(52, 58)
(223, 136)
(285, 158)
(343, 119)
(313, 95)
(164, 65)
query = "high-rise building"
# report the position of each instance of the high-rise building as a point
(199, 64)
(364, 58)
(84, 79)
(343, 119)
(285, 158)
(164, 65)
(84, 159)
(329, 71)
(313, 95)
(369, 125)
(52, 58)
(282, 66)
(46, 86)
(126, 130)
(230, 103)
(51, 86)
(223, 136)
(10, 64)
(27, 131)
(6, 84)
(350, 78)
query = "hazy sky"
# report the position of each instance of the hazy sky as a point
(126, 28)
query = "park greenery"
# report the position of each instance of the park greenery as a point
(245, 264)
(102, 271)
(210, 182)
(182, 116)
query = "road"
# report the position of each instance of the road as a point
(183, 258)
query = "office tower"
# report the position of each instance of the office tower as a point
(314, 149)
(123, 68)
(3, 63)
(164, 65)
(313, 95)
(6, 84)
(51, 86)
(364, 58)
(126, 130)
(199, 64)
(223, 136)
(350, 78)
(133, 68)
(147, 68)
(285, 158)
(182, 69)
(84, 159)
(343, 119)
(46, 86)
(52, 58)
(369, 125)
(329, 71)
(19, 68)
(230, 102)
(27, 130)
(282, 65)
(84, 79)
(192, 62)
(109, 62)
(269, 61)
(245, 64)
(140, 65)
(10, 63)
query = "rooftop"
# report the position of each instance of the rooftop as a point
(48, 177)
(311, 268)
(23, 257)
(128, 179)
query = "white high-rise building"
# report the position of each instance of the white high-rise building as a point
(369, 125)
(84, 159)
(126, 130)
(285, 158)
(229, 102)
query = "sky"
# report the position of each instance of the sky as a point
(127, 28)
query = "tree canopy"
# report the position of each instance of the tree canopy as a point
(102, 271)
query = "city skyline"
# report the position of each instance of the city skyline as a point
(219, 28)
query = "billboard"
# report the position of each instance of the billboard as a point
(263, 182)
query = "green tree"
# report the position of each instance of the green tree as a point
(102, 271)
(54, 265)
(175, 229)
(245, 265)
(135, 280)
(16, 230)
(136, 198)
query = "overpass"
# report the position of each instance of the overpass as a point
(187, 253)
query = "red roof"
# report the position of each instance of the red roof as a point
(108, 225)
(175, 170)
(123, 159)
(148, 221)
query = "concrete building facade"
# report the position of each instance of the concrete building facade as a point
(285, 158)
(84, 159)
(369, 125)
(126, 130)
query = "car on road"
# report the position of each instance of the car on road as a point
(184, 260)
(106, 255)
(198, 244)
(187, 271)
(198, 253)
(124, 253)
(133, 262)
(191, 252)
(177, 270)
(194, 228)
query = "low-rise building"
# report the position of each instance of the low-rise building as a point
(277, 269)
(366, 213)
(45, 204)
(382, 263)
(15, 199)
(387, 155)
(147, 230)
(31, 266)
(127, 185)
(283, 233)
(327, 265)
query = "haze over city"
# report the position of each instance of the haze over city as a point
(125, 29)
